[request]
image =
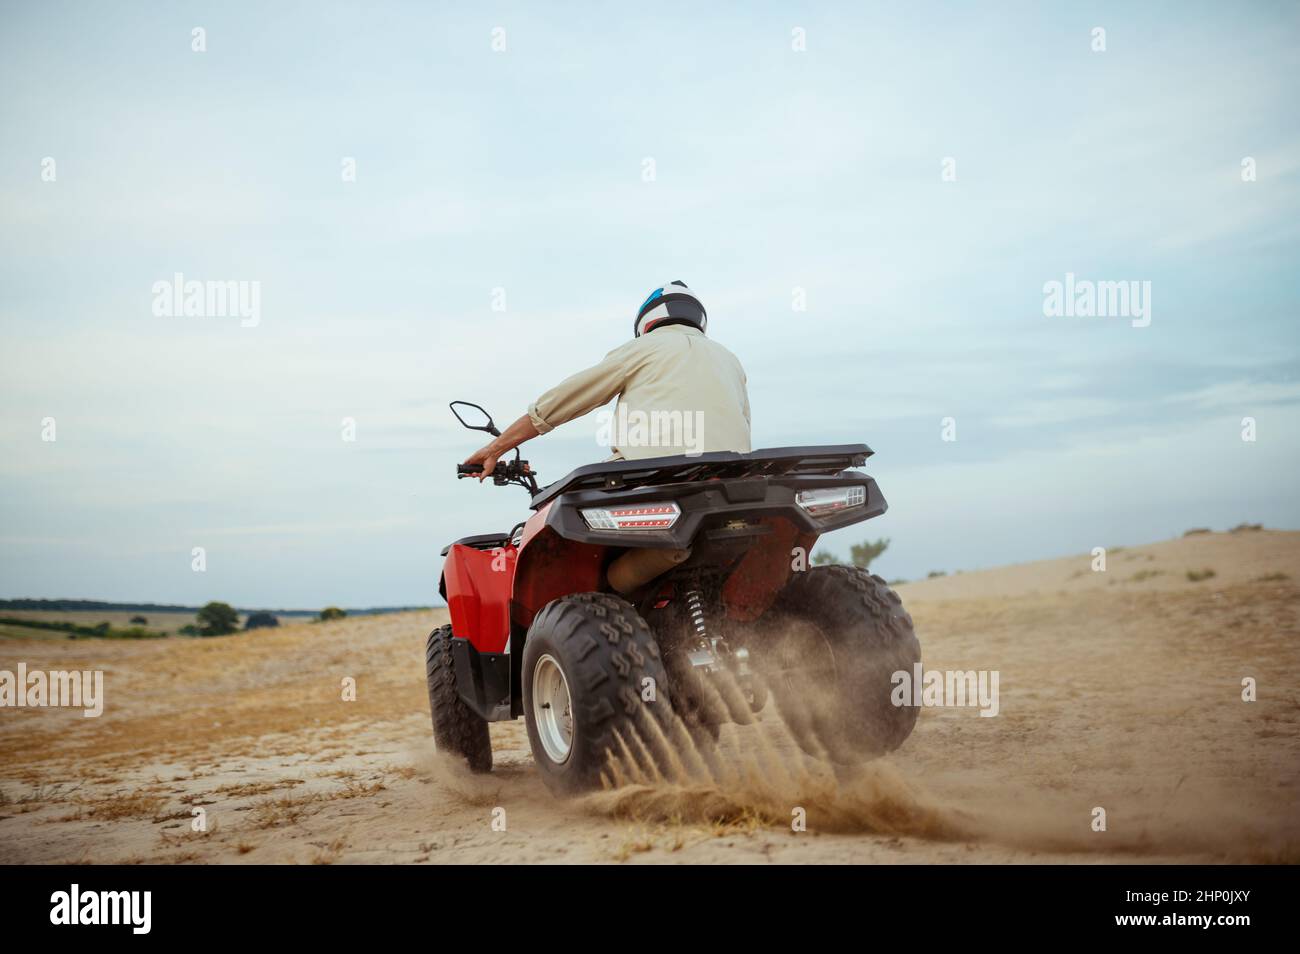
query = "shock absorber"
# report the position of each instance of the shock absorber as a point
(712, 653)
(704, 656)
(695, 608)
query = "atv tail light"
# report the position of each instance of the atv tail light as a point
(829, 500)
(653, 516)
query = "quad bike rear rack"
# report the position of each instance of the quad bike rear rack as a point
(770, 462)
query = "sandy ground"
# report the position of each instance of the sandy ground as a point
(1120, 690)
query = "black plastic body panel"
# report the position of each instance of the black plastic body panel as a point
(655, 471)
(746, 498)
(482, 679)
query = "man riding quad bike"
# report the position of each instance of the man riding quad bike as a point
(656, 596)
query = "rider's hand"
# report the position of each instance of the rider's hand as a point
(487, 457)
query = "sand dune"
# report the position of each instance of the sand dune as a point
(1119, 690)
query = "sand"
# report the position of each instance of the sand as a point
(1120, 690)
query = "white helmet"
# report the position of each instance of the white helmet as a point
(670, 304)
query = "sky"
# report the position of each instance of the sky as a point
(869, 198)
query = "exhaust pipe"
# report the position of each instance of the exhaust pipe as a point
(635, 568)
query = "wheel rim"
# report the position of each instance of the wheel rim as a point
(552, 709)
(806, 658)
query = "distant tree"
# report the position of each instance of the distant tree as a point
(139, 621)
(823, 558)
(189, 629)
(933, 573)
(217, 619)
(863, 553)
(260, 621)
(331, 612)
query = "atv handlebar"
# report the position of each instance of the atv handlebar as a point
(505, 468)
(506, 472)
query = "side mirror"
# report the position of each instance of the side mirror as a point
(478, 419)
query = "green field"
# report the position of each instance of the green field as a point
(169, 623)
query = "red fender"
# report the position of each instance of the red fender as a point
(550, 567)
(478, 594)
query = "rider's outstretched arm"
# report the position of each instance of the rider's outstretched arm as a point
(574, 396)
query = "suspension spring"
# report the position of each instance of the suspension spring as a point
(694, 606)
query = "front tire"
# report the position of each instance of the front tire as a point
(585, 663)
(457, 729)
(832, 643)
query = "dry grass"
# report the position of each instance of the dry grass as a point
(282, 812)
(132, 805)
(250, 789)
(329, 853)
(746, 822)
(355, 789)
(635, 843)
(40, 794)
(238, 689)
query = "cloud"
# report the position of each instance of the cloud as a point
(522, 171)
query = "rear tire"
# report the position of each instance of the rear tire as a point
(456, 727)
(859, 625)
(603, 650)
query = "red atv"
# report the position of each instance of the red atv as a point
(643, 598)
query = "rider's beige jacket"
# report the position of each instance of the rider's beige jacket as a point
(679, 392)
